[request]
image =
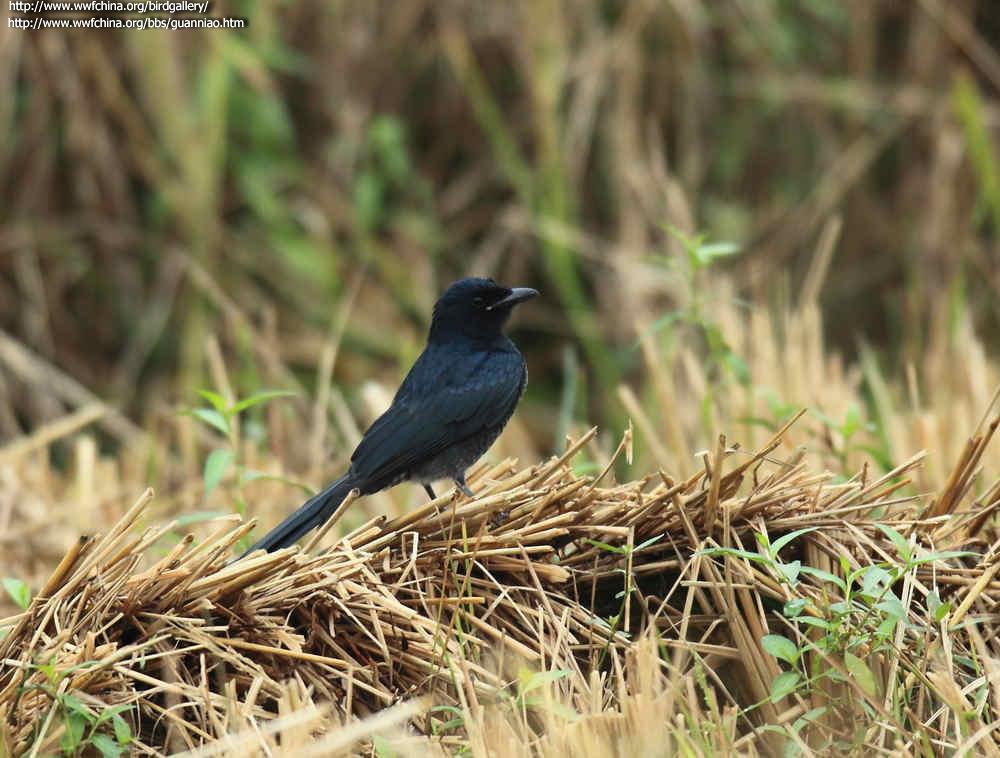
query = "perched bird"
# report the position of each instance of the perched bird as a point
(453, 404)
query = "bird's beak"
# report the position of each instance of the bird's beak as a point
(517, 295)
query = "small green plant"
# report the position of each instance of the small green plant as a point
(780, 412)
(626, 551)
(86, 729)
(457, 720)
(221, 415)
(86, 732)
(858, 618)
(840, 434)
(695, 316)
(19, 592)
(528, 684)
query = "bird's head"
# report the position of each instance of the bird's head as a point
(476, 308)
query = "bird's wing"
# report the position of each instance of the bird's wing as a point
(462, 400)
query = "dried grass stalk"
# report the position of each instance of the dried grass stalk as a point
(445, 604)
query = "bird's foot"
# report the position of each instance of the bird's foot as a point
(460, 483)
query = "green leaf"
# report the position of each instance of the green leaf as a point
(794, 607)
(813, 621)
(944, 555)
(19, 592)
(826, 576)
(781, 648)
(790, 571)
(106, 746)
(213, 418)
(647, 543)
(782, 541)
(215, 467)
(446, 726)
(933, 601)
(852, 422)
(382, 747)
(583, 467)
(808, 717)
(840, 608)
(772, 729)
(897, 539)
(75, 725)
(875, 580)
(73, 704)
(258, 398)
(106, 714)
(535, 679)
(886, 627)
(49, 669)
(218, 401)
(892, 606)
(845, 566)
(734, 553)
(941, 611)
(937, 609)
(122, 731)
(706, 254)
(446, 709)
(790, 749)
(833, 675)
(784, 684)
(863, 675)
(606, 546)
(457, 720)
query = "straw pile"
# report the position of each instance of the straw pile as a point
(425, 623)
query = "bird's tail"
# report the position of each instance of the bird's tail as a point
(314, 512)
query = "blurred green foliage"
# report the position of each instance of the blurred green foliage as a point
(158, 188)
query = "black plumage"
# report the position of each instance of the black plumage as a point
(451, 406)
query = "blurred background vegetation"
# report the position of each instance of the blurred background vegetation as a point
(733, 209)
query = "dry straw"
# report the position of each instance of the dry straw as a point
(553, 614)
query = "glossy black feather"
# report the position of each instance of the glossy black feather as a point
(311, 514)
(452, 393)
(452, 405)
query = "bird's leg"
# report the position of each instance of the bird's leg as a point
(460, 483)
(430, 492)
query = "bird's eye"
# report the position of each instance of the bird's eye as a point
(478, 302)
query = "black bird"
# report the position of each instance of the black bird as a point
(452, 405)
